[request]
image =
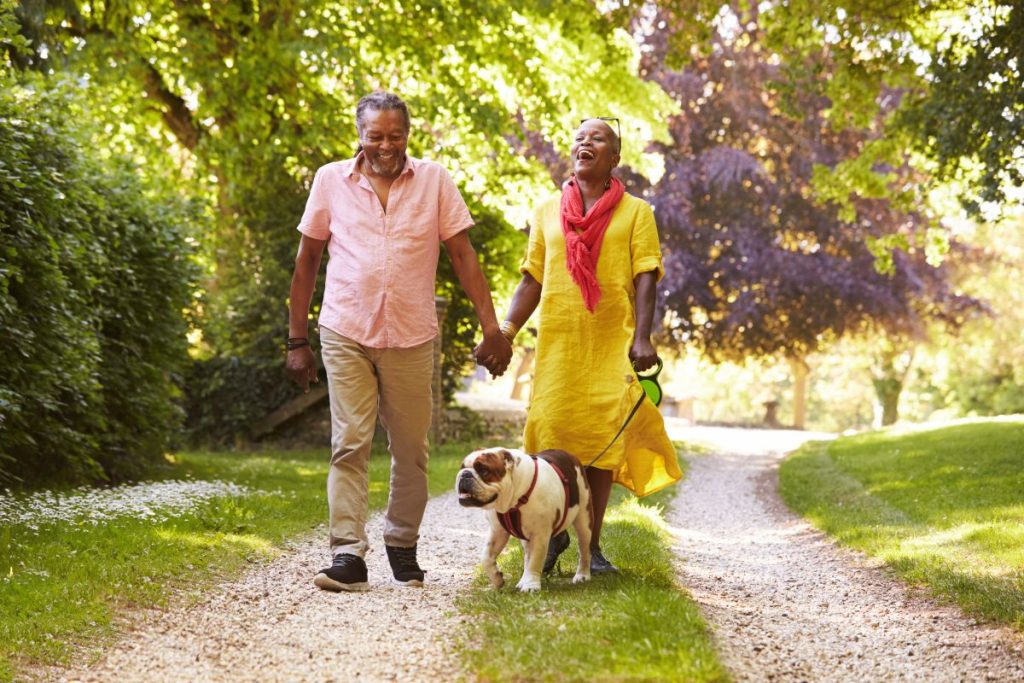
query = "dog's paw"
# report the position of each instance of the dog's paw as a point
(581, 578)
(526, 585)
(497, 580)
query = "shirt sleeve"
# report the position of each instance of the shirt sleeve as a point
(453, 214)
(644, 247)
(536, 249)
(316, 219)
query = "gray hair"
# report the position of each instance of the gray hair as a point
(380, 101)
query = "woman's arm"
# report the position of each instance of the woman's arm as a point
(642, 352)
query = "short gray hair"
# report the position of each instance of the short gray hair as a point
(380, 101)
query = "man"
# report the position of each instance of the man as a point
(382, 216)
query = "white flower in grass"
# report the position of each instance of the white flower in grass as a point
(154, 501)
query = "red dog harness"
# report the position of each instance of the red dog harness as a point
(512, 521)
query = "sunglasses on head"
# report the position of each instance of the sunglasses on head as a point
(607, 119)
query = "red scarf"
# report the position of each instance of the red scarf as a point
(584, 234)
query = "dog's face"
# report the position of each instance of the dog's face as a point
(484, 474)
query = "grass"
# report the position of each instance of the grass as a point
(942, 506)
(62, 584)
(635, 626)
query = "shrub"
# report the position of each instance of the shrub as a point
(95, 277)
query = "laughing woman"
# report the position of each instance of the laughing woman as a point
(592, 265)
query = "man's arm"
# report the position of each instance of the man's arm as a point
(642, 352)
(301, 364)
(494, 352)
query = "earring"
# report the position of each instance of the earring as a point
(608, 184)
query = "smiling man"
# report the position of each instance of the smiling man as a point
(382, 216)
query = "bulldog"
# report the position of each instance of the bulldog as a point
(531, 497)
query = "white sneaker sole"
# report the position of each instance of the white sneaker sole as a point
(415, 583)
(328, 584)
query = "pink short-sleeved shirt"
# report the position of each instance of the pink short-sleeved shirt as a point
(382, 269)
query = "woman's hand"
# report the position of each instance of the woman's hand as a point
(494, 353)
(642, 354)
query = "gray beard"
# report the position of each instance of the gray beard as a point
(389, 171)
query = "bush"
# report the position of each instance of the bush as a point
(95, 277)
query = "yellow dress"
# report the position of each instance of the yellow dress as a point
(584, 386)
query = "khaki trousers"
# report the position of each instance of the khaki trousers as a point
(366, 384)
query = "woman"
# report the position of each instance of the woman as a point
(592, 265)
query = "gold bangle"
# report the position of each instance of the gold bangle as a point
(508, 330)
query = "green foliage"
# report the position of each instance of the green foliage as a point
(94, 277)
(954, 69)
(941, 506)
(981, 370)
(971, 116)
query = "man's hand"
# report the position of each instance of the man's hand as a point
(301, 367)
(642, 354)
(494, 353)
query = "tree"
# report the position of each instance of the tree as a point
(958, 65)
(973, 111)
(759, 263)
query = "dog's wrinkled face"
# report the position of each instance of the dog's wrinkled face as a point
(483, 475)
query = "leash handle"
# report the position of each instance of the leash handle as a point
(636, 407)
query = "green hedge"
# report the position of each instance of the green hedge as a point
(95, 279)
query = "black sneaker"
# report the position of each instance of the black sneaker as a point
(346, 573)
(559, 542)
(599, 564)
(404, 566)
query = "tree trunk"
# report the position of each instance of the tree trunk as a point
(890, 375)
(800, 371)
(888, 392)
(524, 369)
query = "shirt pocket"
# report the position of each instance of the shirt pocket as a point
(417, 217)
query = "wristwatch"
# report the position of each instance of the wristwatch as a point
(296, 343)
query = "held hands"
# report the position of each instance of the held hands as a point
(494, 353)
(642, 354)
(301, 367)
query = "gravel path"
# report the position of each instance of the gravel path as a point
(274, 625)
(787, 605)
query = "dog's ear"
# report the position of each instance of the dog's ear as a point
(510, 459)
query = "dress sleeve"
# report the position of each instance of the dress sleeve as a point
(316, 219)
(533, 262)
(644, 247)
(452, 212)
